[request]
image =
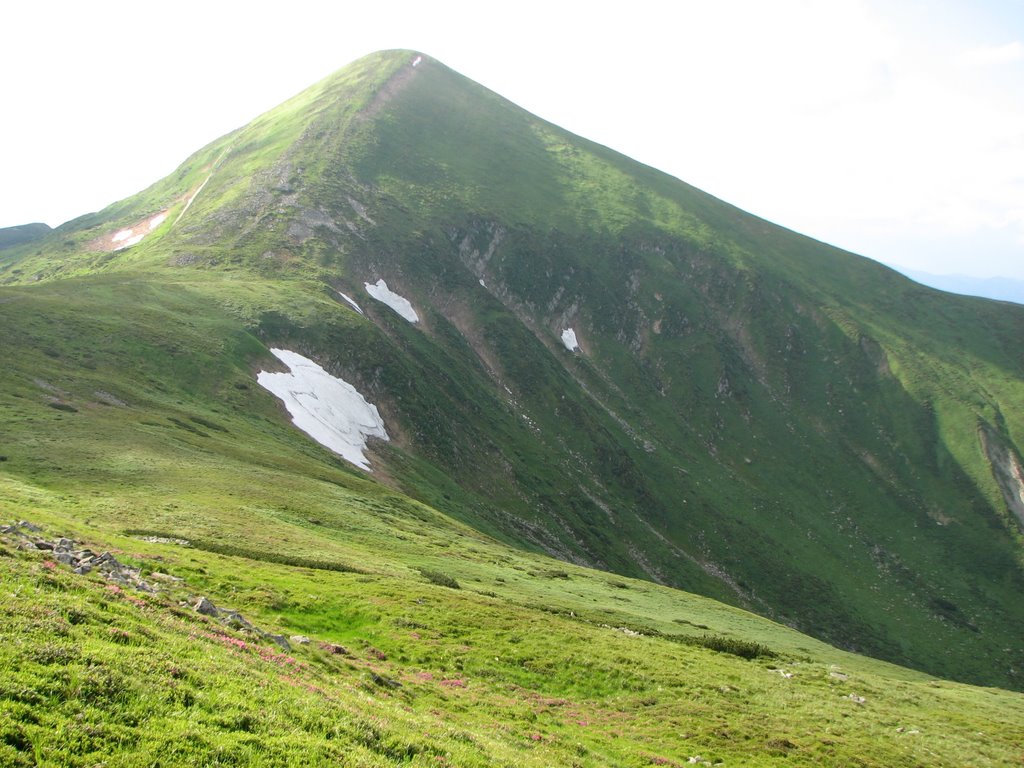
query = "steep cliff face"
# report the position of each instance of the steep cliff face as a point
(1006, 469)
(606, 364)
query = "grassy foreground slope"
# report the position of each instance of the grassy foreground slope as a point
(429, 675)
(753, 416)
(530, 661)
(118, 423)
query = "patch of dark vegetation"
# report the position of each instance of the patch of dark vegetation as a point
(745, 649)
(690, 623)
(54, 653)
(186, 426)
(951, 612)
(779, 747)
(233, 550)
(63, 407)
(734, 646)
(441, 579)
(207, 423)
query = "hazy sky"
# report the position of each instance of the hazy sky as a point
(892, 128)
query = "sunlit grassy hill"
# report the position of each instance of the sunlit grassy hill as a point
(750, 416)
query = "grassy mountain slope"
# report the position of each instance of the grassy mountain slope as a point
(23, 233)
(530, 661)
(754, 416)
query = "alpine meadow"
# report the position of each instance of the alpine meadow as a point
(402, 427)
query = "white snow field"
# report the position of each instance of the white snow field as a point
(385, 295)
(569, 339)
(326, 408)
(127, 237)
(351, 302)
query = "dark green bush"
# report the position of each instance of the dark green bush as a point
(233, 550)
(441, 579)
(743, 648)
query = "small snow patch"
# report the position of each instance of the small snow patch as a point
(569, 339)
(132, 235)
(326, 408)
(351, 302)
(399, 304)
(417, 60)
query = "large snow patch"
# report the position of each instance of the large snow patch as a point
(569, 339)
(385, 295)
(326, 408)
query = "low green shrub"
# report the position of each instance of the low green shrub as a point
(441, 579)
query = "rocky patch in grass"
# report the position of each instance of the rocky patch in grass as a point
(81, 560)
(78, 558)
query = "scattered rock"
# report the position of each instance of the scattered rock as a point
(166, 577)
(279, 639)
(857, 699)
(166, 540)
(236, 620)
(206, 608)
(339, 650)
(384, 682)
(84, 561)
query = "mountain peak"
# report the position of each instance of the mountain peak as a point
(742, 412)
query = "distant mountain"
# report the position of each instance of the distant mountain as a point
(569, 352)
(23, 233)
(1000, 288)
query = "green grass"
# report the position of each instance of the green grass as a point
(493, 674)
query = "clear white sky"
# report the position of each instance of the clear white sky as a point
(892, 128)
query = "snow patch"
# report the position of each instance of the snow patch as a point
(399, 304)
(125, 237)
(569, 339)
(417, 60)
(326, 408)
(351, 302)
